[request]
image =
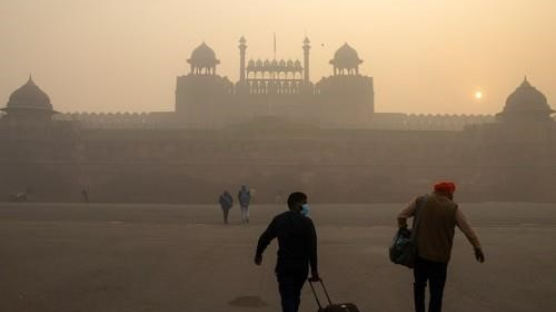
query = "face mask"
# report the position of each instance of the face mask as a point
(305, 210)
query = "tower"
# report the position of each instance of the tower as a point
(346, 97)
(306, 48)
(242, 49)
(202, 95)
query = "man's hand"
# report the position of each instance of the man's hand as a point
(314, 277)
(402, 223)
(479, 255)
(258, 259)
(404, 231)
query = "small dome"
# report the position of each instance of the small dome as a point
(29, 96)
(203, 55)
(346, 57)
(527, 100)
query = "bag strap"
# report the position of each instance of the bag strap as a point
(419, 204)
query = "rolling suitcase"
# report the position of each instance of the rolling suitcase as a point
(332, 307)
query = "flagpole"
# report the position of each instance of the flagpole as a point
(274, 45)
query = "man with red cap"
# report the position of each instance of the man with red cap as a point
(437, 215)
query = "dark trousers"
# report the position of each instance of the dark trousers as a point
(290, 285)
(225, 212)
(435, 274)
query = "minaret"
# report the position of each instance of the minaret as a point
(306, 48)
(242, 48)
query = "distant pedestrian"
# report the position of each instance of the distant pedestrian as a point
(226, 202)
(438, 215)
(297, 250)
(244, 198)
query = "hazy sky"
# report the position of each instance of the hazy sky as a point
(426, 56)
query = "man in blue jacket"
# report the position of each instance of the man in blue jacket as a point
(226, 202)
(297, 250)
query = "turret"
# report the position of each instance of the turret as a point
(346, 61)
(526, 103)
(242, 49)
(29, 105)
(203, 61)
(306, 48)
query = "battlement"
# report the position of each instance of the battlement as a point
(446, 122)
(384, 121)
(125, 120)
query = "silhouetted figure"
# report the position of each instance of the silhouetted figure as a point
(297, 250)
(438, 216)
(226, 202)
(85, 196)
(19, 197)
(244, 198)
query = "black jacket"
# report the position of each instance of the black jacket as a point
(297, 242)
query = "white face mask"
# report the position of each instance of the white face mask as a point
(305, 210)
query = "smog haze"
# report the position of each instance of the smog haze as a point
(428, 56)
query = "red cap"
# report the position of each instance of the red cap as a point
(445, 187)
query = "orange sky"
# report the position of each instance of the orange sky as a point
(427, 56)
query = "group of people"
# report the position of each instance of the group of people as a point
(438, 216)
(227, 202)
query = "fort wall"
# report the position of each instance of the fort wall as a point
(275, 131)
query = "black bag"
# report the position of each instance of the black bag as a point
(341, 307)
(404, 246)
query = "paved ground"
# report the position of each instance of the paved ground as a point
(60, 257)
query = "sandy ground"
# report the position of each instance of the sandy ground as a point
(60, 257)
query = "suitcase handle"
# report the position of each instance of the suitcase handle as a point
(315, 293)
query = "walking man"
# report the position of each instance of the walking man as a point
(297, 250)
(244, 198)
(438, 216)
(226, 202)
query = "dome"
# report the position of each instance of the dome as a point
(29, 96)
(203, 55)
(346, 57)
(527, 100)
